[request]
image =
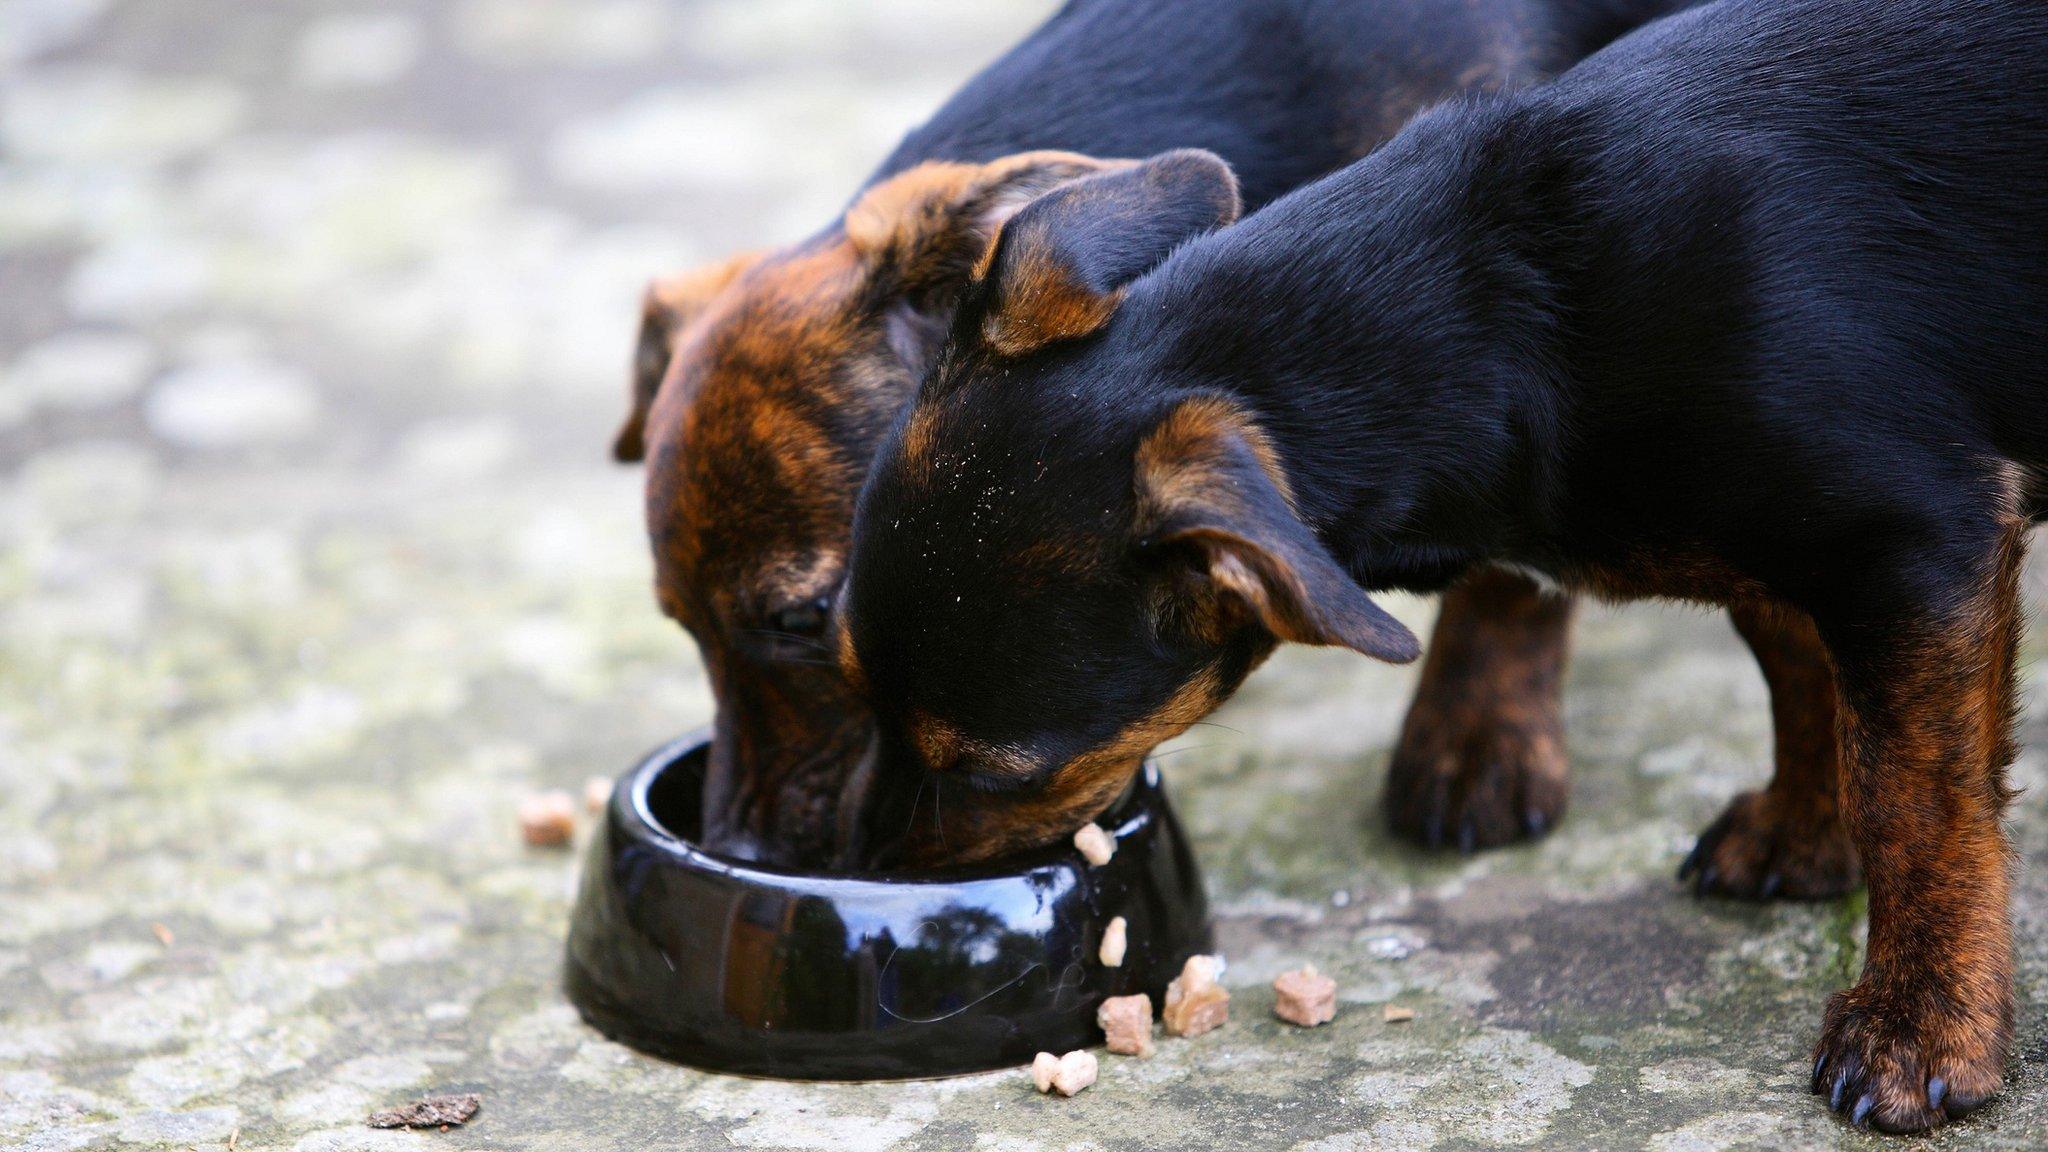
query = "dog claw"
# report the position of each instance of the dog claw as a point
(1692, 860)
(1961, 1103)
(1820, 1064)
(1861, 1116)
(1841, 1090)
(1468, 838)
(1535, 823)
(1937, 1091)
(1770, 886)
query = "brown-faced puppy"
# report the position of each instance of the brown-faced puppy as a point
(763, 384)
(1748, 310)
(780, 372)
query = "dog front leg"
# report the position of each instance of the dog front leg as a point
(1481, 757)
(1927, 704)
(1785, 839)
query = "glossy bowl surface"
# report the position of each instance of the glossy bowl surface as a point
(739, 967)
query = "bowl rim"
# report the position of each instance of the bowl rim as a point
(1134, 806)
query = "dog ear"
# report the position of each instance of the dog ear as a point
(1059, 266)
(1213, 498)
(669, 303)
(924, 227)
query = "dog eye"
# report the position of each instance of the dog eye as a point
(796, 631)
(807, 619)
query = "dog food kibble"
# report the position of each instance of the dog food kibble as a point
(547, 820)
(1195, 1003)
(1127, 1022)
(1044, 1067)
(1395, 1014)
(597, 792)
(1063, 1074)
(1076, 1071)
(1305, 997)
(1095, 844)
(1115, 939)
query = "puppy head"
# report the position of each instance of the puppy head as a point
(760, 389)
(1061, 560)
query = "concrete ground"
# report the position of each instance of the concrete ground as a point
(313, 318)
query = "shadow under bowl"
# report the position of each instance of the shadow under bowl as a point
(740, 967)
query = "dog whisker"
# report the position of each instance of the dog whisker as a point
(1185, 748)
(791, 637)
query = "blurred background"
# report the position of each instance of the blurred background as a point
(314, 322)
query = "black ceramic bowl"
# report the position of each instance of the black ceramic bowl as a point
(746, 968)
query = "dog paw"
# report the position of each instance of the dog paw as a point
(1759, 849)
(1905, 1062)
(1492, 782)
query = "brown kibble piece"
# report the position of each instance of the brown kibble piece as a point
(1077, 1071)
(441, 1112)
(1044, 1067)
(1127, 1023)
(1195, 1003)
(597, 792)
(1305, 997)
(1115, 940)
(1191, 1013)
(547, 820)
(1095, 844)
(1395, 1014)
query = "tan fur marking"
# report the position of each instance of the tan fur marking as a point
(894, 214)
(666, 309)
(801, 577)
(1041, 306)
(949, 209)
(1177, 461)
(976, 827)
(848, 661)
(938, 743)
(920, 441)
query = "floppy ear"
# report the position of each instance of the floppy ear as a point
(1212, 496)
(1060, 265)
(924, 227)
(668, 304)
(920, 233)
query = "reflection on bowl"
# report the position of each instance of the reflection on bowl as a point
(750, 968)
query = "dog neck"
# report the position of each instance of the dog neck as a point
(1397, 341)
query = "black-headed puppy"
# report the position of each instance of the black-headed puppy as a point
(1748, 309)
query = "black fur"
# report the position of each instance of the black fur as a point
(1766, 281)
(1285, 90)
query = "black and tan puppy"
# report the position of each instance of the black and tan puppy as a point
(764, 384)
(1748, 309)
